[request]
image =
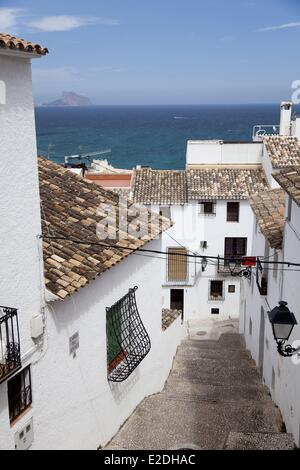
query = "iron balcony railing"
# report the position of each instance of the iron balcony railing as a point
(223, 264)
(10, 356)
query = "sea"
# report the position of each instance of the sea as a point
(154, 136)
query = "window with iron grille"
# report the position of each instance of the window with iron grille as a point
(233, 211)
(19, 393)
(10, 357)
(177, 265)
(128, 342)
(207, 207)
(261, 279)
(216, 290)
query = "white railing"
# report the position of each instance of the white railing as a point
(260, 131)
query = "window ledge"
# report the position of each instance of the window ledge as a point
(19, 418)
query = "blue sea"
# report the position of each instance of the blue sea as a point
(154, 136)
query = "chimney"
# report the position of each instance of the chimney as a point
(286, 110)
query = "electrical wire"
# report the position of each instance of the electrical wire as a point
(186, 255)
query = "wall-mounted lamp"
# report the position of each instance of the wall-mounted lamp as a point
(233, 264)
(283, 322)
(204, 264)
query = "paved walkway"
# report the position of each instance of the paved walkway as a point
(213, 399)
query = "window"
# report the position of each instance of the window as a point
(177, 265)
(19, 393)
(233, 211)
(165, 212)
(128, 342)
(216, 290)
(207, 207)
(235, 247)
(231, 289)
(215, 311)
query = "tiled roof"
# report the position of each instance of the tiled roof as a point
(168, 317)
(124, 192)
(11, 42)
(283, 151)
(289, 180)
(269, 209)
(69, 206)
(225, 183)
(159, 186)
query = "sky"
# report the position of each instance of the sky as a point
(161, 51)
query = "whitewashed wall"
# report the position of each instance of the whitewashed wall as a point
(74, 406)
(281, 375)
(20, 263)
(214, 152)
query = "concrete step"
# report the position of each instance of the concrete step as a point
(259, 441)
(233, 355)
(232, 340)
(216, 393)
(214, 373)
(200, 424)
(211, 345)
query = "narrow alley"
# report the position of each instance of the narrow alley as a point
(213, 399)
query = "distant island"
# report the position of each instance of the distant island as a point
(70, 98)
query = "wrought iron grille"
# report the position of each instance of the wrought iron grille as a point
(261, 280)
(128, 342)
(10, 356)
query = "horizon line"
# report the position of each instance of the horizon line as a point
(37, 105)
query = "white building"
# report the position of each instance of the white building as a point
(88, 346)
(276, 237)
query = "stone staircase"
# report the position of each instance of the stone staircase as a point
(213, 399)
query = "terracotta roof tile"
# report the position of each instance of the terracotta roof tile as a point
(159, 186)
(124, 192)
(11, 42)
(69, 266)
(283, 151)
(269, 209)
(225, 183)
(168, 317)
(289, 180)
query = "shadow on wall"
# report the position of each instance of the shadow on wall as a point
(120, 390)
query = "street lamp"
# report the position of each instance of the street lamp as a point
(244, 272)
(283, 322)
(204, 264)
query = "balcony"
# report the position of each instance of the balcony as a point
(261, 131)
(10, 356)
